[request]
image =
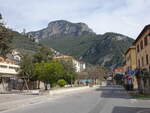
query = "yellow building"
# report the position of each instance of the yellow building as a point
(130, 57)
(142, 44)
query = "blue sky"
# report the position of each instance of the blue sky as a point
(122, 16)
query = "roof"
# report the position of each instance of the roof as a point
(8, 61)
(132, 47)
(63, 57)
(121, 69)
(140, 35)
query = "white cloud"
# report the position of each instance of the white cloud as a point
(123, 16)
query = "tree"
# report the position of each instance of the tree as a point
(61, 82)
(94, 73)
(102, 72)
(119, 79)
(49, 72)
(44, 54)
(1, 19)
(69, 74)
(27, 69)
(5, 40)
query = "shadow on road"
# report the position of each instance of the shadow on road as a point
(120, 109)
(113, 92)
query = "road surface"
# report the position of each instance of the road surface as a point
(112, 99)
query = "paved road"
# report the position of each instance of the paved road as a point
(12, 97)
(103, 100)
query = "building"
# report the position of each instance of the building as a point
(130, 66)
(14, 56)
(119, 70)
(130, 58)
(79, 65)
(142, 44)
(8, 70)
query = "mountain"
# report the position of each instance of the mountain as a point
(21, 43)
(62, 27)
(78, 40)
(108, 50)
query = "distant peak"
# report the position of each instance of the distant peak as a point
(63, 27)
(60, 21)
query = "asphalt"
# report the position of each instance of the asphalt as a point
(110, 99)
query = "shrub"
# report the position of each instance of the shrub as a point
(61, 82)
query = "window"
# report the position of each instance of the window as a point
(146, 40)
(142, 61)
(147, 59)
(141, 44)
(15, 68)
(11, 67)
(139, 63)
(138, 48)
(3, 66)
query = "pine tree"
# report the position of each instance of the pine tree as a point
(5, 39)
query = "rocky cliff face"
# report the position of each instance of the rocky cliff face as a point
(62, 27)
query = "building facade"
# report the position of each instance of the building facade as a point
(8, 68)
(142, 44)
(8, 72)
(130, 66)
(130, 58)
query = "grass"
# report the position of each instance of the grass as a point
(136, 95)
